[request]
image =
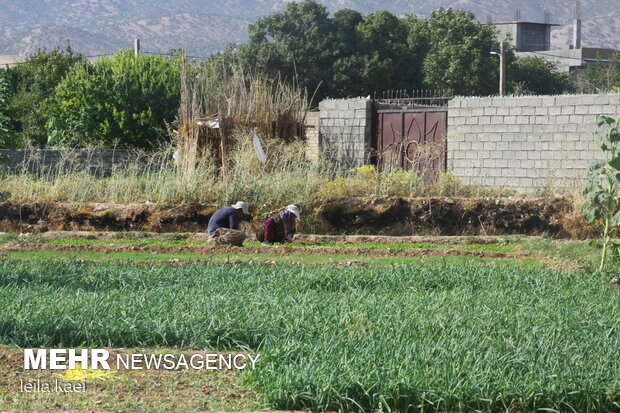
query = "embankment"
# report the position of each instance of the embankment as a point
(369, 216)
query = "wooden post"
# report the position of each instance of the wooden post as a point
(223, 143)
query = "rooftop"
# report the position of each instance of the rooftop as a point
(521, 22)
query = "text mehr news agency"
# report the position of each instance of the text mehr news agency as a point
(63, 359)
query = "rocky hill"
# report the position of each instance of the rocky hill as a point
(203, 26)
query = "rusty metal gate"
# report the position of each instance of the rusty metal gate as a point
(410, 136)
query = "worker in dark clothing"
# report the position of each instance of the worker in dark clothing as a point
(281, 227)
(224, 225)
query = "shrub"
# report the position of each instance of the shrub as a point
(602, 204)
(449, 185)
(120, 101)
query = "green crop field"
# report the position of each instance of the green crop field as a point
(431, 336)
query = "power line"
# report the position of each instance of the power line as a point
(171, 54)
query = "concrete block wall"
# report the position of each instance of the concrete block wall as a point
(526, 143)
(345, 131)
(312, 136)
(45, 161)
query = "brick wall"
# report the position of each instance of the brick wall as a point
(98, 161)
(525, 143)
(345, 131)
(312, 136)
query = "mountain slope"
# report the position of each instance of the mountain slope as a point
(202, 26)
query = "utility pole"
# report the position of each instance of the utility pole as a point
(577, 26)
(502, 69)
(136, 47)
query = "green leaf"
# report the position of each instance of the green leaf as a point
(52, 136)
(615, 163)
(592, 215)
(595, 166)
(613, 176)
(4, 160)
(615, 221)
(598, 139)
(613, 135)
(602, 120)
(589, 187)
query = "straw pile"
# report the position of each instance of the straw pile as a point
(239, 102)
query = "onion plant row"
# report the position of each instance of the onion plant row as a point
(417, 338)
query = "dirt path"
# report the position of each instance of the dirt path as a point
(308, 249)
(299, 238)
(273, 250)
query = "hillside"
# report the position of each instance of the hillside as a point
(201, 27)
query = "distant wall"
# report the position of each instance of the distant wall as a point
(345, 131)
(312, 135)
(99, 161)
(526, 143)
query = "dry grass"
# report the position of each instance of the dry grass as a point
(237, 100)
(286, 178)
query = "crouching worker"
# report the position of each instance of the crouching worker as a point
(279, 228)
(224, 225)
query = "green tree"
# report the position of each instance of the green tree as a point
(31, 93)
(4, 121)
(388, 64)
(352, 55)
(459, 53)
(418, 45)
(346, 36)
(347, 55)
(600, 77)
(538, 76)
(296, 43)
(119, 101)
(349, 67)
(4, 108)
